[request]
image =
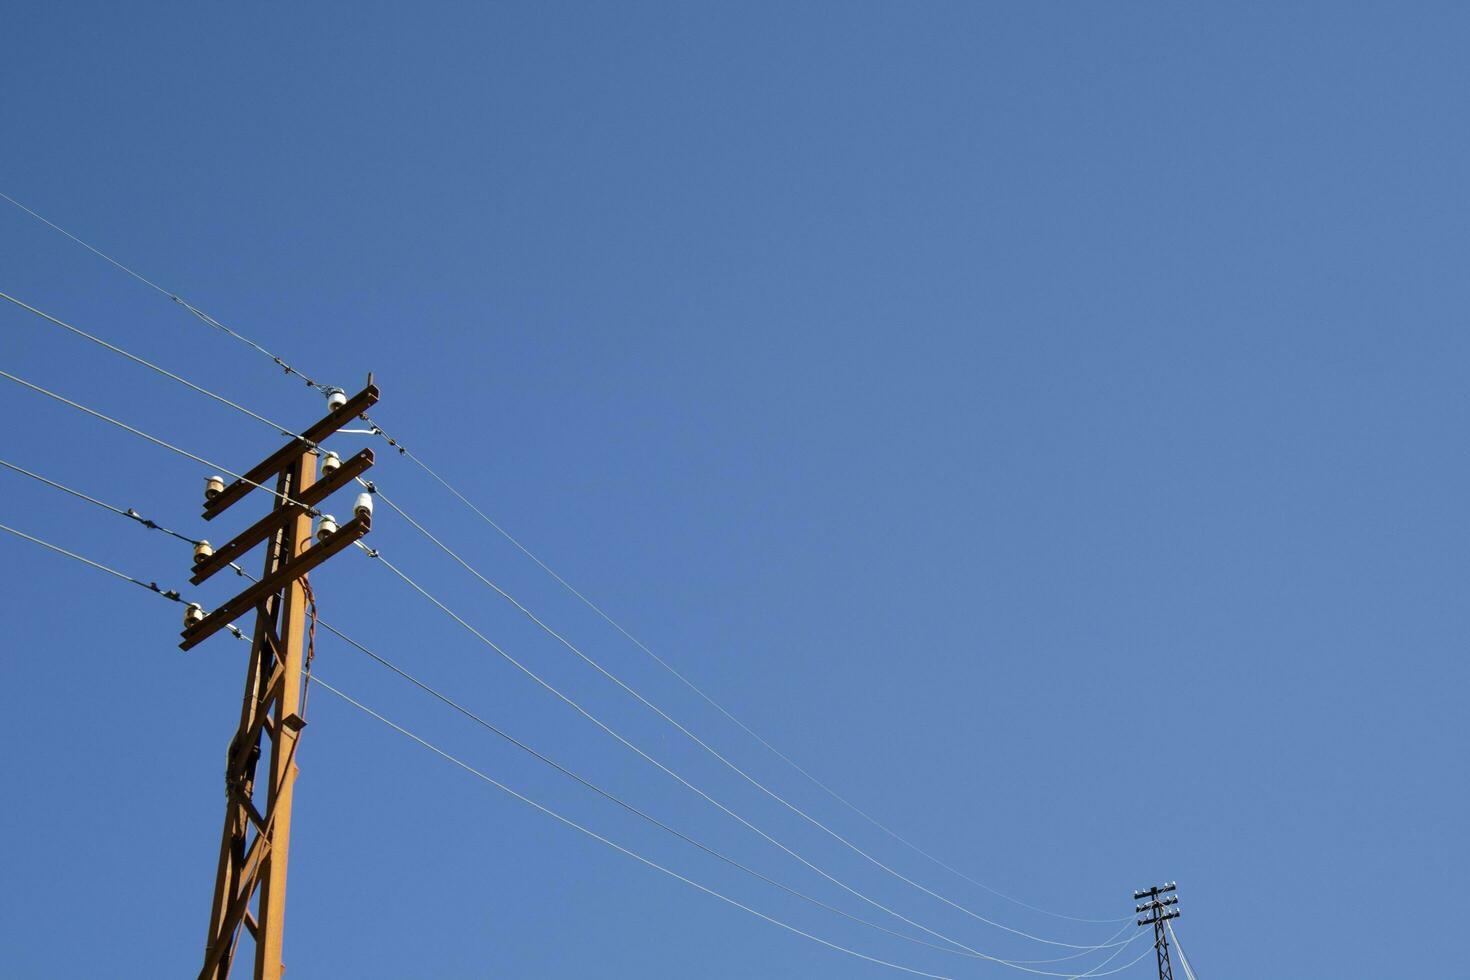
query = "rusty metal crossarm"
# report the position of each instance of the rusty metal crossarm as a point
(292, 451)
(273, 583)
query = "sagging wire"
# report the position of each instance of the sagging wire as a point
(383, 661)
(568, 822)
(284, 498)
(1183, 960)
(701, 743)
(200, 389)
(172, 595)
(1013, 964)
(200, 314)
(310, 643)
(404, 451)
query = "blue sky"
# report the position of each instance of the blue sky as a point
(1042, 421)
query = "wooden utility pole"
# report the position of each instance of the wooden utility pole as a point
(256, 841)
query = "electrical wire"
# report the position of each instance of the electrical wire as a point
(482, 722)
(200, 314)
(174, 596)
(1013, 964)
(176, 449)
(129, 513)
(171, 594)
(1183, 960)
(567, 821)
(1097, 971)
(649, 818)
(156, 441)
(724, 711)
(449, 701)
(404, 451)
(733, 767)
(151, 366)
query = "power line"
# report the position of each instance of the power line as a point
(716, 705)
(631, 808)
(133, 514)
(699, 741)
(640, 858)
(129, 512)
(150, 365)
(287, 432)
(373, 553)
(204, 317)
(403, 450)
(155, 440)
(477, 719)
(567, 821)
(519, 606)
(1183, 960)
(526, 670)
(171, 594)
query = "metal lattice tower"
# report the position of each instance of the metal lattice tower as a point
(1157, 911)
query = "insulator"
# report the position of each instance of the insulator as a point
(213, 487)
(193, 615)
(336, 398)
(202, 550)
(331, 463)
(326, 527)
(364, 505)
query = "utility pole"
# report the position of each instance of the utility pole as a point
(255, 844)
(1157, 912)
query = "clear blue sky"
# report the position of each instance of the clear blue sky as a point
(1044, 421)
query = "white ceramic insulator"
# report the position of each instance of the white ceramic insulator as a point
(193, 615)
(331, 463)
(202, 550)
(336, 400)
(364, 505)
(213, 487)
(326, 527)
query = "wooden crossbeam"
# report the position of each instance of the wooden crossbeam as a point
(292, 451)
(351, 469)
(264, 528)
(276, 519)
(272, 583)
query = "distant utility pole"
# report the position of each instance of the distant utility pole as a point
(1157, 912)
(253, 850)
